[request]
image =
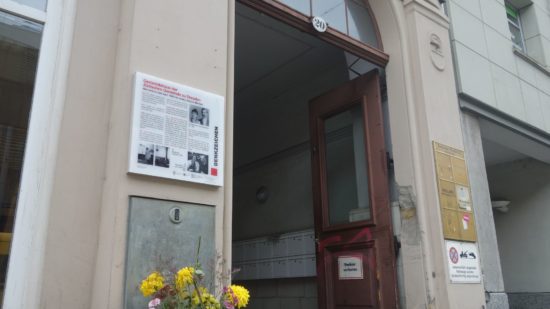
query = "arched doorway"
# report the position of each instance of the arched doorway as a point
(312, 225)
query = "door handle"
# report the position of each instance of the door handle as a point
(396, 246)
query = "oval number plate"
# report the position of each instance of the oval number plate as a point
(319, 24)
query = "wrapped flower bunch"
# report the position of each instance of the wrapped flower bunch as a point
(185, 290)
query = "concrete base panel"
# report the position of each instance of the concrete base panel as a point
(497, 301)
(529, 300)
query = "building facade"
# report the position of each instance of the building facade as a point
(503, 85)
(334, 145)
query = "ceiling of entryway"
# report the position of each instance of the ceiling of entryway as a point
(278, 69)
(501, 144)
(496, 154)
(275, 67)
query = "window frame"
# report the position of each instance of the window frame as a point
(515, 23)
(29, 236)
(24, 11)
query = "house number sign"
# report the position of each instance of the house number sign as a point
(319, 24)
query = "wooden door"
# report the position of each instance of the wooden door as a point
(355, 253)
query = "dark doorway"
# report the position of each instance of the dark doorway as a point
(279, 70)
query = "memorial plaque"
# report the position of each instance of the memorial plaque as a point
(161, 238)
(177, 131)
(454, 193)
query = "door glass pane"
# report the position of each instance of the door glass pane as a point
(350, 17)
(346, 165)
(360, 24)
(333, 12)
(19, 41)
(37, 4)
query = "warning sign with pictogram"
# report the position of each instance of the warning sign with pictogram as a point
(453, 255)
(462, 258)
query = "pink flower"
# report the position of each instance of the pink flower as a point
(230, 298)
(154, 303)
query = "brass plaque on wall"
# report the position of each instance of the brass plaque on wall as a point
(454, 194)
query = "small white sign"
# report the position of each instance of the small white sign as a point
(319, 24)
(463, 260)
(350, 267)
(463, 197)
(177, 131)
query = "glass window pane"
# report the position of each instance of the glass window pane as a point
(333, 12)
(19, 42)
(347, 179)
(37, 4)
(515, 35)
(513, 20)
(360, 24)
(301, 6)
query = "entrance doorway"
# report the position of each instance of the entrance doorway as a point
(311, 223)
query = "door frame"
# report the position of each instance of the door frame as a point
(377, 56)
(375, 233)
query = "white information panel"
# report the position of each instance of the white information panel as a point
(350, 267)
(177, 131)
(463, 260)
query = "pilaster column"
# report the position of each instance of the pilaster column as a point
(433, 115)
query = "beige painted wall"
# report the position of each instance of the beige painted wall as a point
(161, 40)
(191, 42)
(84, 263)
(76, 198)
(423, 108)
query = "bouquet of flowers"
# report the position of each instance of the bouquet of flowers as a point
(185, 289)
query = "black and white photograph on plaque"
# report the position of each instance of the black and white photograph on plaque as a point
(197, 163)
(204, 116)
(199, 115)
(161, 156)
(145, 154)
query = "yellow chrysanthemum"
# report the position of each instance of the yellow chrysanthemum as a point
(151, 284)
(208, 300)
(184, 277)
(239, 292)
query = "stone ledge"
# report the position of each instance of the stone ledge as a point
(531, 61)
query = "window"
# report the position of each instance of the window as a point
(351, 17)
(19, 47)
(37, 4)
(514, 24)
